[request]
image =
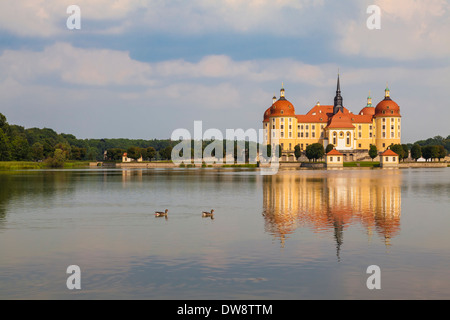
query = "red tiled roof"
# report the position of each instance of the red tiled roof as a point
(389, 152)
(389, 107)
(334, 152)
(340, 120)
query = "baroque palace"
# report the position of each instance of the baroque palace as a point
(333, 124)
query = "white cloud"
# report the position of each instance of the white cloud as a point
(98, 67)
(61, 80)
(46, 18)
(409, 30)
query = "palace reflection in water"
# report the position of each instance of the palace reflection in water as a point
(331, 201)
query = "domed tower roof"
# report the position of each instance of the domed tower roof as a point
(369, 108)
(387, 106)
(281, 107)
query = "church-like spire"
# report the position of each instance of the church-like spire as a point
(282, 92)
(369, 101)
(338, 100)
(387, 92)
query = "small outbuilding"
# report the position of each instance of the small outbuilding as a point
(389, 159)
(334, 159)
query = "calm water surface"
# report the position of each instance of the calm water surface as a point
(301, 234)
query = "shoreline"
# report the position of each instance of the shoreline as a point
(28, 165)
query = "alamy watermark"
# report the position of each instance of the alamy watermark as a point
(74, 20)
(74, 280)
(374, 280)
(235, 147)
(373, 22)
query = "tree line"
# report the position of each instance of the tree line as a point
(34, 144)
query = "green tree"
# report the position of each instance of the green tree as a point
(150, 153)
(442, 153)
(297, 151)
(405, 152)
(115, 154)
(427, 152)
(329, 147)
(314, 151)
(20, 149)
(37, 152)
(166, 153)
(134, 152)
(3, 121)
(373, 151)
(58, 159)
(416, 151)
(5, 153)
(398, 149)
(269, 151)
(77, 153)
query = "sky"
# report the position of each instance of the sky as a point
(141, 69)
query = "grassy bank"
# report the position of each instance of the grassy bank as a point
(29, 165)
(365, 164)
(247, 165)
(20, 165)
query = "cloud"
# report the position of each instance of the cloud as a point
(71, 65)
(61, 84)
(46, 18)
(410, 30)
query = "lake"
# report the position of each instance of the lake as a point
(300, 234)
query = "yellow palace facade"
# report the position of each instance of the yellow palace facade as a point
(333, 124)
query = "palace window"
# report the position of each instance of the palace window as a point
(306, 134)
(348, 138)
(384, 134)
(282, 126)
(331, 159)
(282, 119)
(302, 134)
(313, 134)
(359, 134)
(282, 134)
(392, 134)
(313, 127)
(290, 134)
(307, 127)
(298, 134)
(290, 126)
